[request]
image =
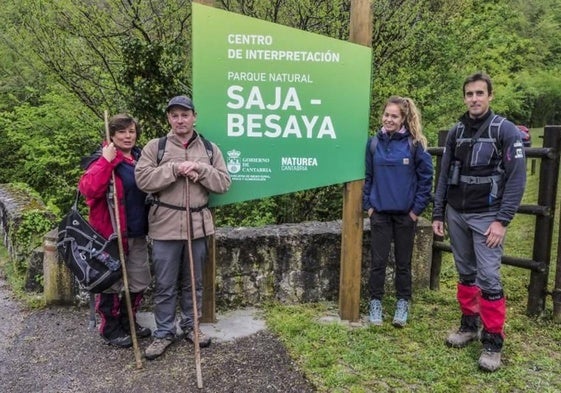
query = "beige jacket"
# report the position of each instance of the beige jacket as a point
(167, 223)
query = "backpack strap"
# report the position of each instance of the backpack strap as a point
(162, 146)
(372, 143)
(412, 146)
(460, 128)
(495, 130)
(492, 123)
(208, 147)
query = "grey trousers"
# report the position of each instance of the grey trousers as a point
(475, 261)
(172, 280)
(137, 265)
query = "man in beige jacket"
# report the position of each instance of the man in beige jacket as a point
(189, 164)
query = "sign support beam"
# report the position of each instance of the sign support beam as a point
(360, 32)
(208, 307)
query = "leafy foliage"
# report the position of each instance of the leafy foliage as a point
(323, 204)
(327, 17)
(46, 143)
(152, 72)
(64, 63)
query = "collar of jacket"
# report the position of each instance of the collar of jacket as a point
(386, 137)
(474, 124)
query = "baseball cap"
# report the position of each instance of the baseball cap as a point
(182, 101)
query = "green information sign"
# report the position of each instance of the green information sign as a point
(289, 109)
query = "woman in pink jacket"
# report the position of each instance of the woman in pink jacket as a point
(119, 157)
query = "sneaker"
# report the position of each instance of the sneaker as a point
(157, 348)
(204, 340)
(401, 313)
(123, 341)
(462, 338)
(490, 360)
(376, 312)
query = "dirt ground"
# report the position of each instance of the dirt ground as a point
(52, 350)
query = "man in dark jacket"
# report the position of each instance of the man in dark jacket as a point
(481, 183)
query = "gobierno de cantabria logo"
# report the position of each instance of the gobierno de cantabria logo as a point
(233, 163)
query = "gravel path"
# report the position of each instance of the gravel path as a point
(52, 350)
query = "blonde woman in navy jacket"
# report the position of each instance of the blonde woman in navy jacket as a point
(396, 190)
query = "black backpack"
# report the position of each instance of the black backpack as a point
(92, 259)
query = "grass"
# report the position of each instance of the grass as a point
(337, 357)
(340, 357)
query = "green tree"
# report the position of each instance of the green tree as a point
(47, 143)
(327, 17)
(114, 55)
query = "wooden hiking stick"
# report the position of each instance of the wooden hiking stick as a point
(92, 321)
(122, 257)
(193, 291)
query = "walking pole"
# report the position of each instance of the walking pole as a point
(123, 265)
(193, 292)
(92, 322)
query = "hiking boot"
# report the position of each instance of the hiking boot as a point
(204, 340)
(376, 312)
(123, 341)
(468, 332)
(461, 338)
(157, 348)
(490, 360)
(401, 313)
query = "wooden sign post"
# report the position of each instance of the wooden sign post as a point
(351, 236)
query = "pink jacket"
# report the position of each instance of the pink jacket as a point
(93, 185)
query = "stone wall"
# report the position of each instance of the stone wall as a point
(291, 263)
(21, 239)
(298, 263)
(10, 215)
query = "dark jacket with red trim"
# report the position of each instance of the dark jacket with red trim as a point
(94, 185)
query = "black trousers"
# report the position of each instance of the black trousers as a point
(385, 229)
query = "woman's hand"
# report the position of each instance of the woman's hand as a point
(109, 152)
